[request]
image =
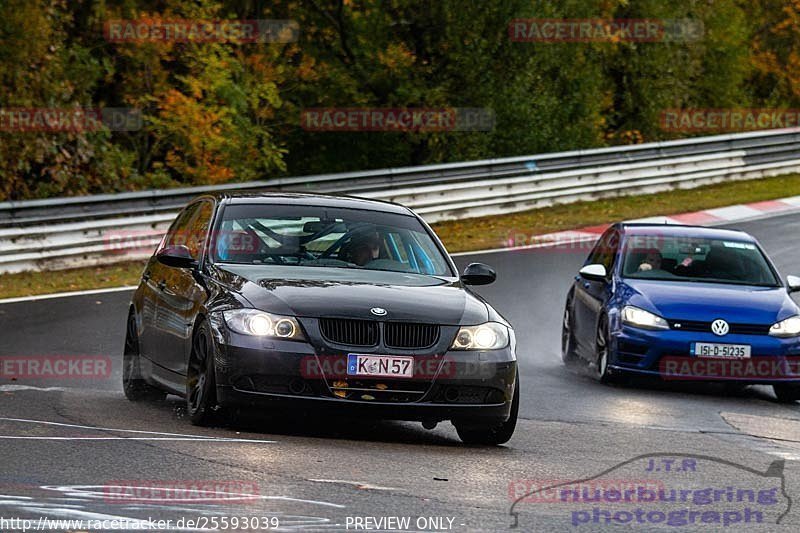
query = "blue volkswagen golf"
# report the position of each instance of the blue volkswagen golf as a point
(684, 302)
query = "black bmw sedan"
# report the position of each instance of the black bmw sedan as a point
(320, 304)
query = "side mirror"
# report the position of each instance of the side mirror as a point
(594, 272)
(176, 256)
(793, 282)
(478, 274)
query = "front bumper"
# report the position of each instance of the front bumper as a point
(454, 385)
(420, 412)
(667, 354)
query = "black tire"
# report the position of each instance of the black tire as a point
(201, 389)
(601, 372)
(786, 392)
(568, 354)
(493, 435)
(136, 389)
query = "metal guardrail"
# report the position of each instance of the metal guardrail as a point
(64, 232)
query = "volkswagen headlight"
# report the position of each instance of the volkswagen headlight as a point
(639, 318)
(261, 324)
(786, 328)
(488, 336)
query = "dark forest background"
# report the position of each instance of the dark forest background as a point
(218, 112)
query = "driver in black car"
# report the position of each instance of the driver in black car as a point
(362, 248)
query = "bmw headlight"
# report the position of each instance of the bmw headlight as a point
(786, 328)
(261, 324)
(639, 318)
(488, 336)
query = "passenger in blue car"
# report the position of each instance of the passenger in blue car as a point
(652, 261)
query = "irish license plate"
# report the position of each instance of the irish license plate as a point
(380, 366)
(721, 351)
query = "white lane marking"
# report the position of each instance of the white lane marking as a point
(655, 220)
(78, 426)
(736, 213)
(794, 200)
(182, 436)
(358, 484)
(15, 388)
(65, 294)
(171, 439)
(177, 494)
(548, 241)
(97, 492)
(55, 509)
(71, 513)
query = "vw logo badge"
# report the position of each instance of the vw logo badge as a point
(720, 328)
(378, 311)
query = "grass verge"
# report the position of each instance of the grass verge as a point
(467, 235)
(75, 279)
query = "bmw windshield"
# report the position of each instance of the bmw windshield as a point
(267, 234)
(708, 260)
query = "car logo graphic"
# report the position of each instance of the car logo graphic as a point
(378, 311)
(720, 328)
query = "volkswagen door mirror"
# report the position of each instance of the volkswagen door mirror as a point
(594, 272)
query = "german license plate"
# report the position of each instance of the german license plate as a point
(721, 351)
(380, 366)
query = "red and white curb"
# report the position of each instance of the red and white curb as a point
(585, 237)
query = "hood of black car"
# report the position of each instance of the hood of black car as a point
(353, 293)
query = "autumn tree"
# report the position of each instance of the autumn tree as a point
(229, 110)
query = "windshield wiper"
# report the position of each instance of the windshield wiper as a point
(707, 280)
(730, 282)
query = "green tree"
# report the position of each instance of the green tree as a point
(41, 67)
(647, 78)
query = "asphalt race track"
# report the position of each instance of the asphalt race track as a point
(68, 447)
